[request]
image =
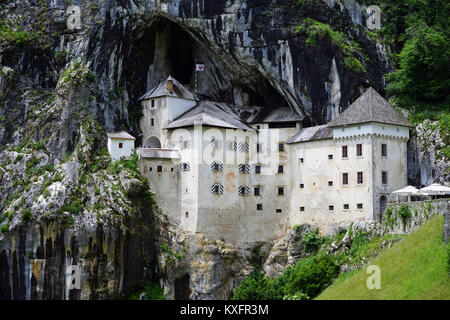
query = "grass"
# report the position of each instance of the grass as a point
(416, 268)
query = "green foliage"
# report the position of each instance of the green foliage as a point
(311, 275)
(152, 292)
(4, 228)
(405, 215)
(258, 287)
(26, 215)
(15, 36)
(311, 241)
(75, 206)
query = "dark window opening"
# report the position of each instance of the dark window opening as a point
(384, 178)
(257, 191)
(345, 179)
(359, 206)
(257, 169)
(344, 152)
(346, 206)
(259, 207)
(160, 169)
(281, 191)
(330, 157)
(280, 125)
(302, 209)
(359, 150)
(384, 150)
(281, 147)
(279, 210)
(152, 122)
(120, 145)
(302, 186)
(360, 178)
(280, 169)
(330, 183)
(331, 208)
(182, 288)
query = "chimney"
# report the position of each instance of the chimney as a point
(170, 86)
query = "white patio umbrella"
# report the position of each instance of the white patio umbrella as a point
(435, 189)
(406, 191)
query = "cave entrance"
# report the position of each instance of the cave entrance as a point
(182, 288)
(180, 55)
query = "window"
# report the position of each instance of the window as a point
(217, 189)
(244, 168)
(384, 177)
(153, 104)
(281, 191)
(302, 186)
(359, 206)
(280, 169)
(245, 147)
(150, 169)
(279, 210)
(257, 191)
(244, 191)
(281, 147)
(216, 144)
(359, 150)
(301, 160)
(258, 147)
(120, 145)
(331, 208)
(330, 183)
(152, 122)
(186, 215)
(160, 169)
(216, 167)
(258, 169)
(258, 127)
(384, 150)
(259, 206)
(171, 169)
(330, 157)
(344, 152)
(345, 179)
(346, 206)
(185, 166)
(360, 179)
(302, 209)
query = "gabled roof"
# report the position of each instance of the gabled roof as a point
(210, 113)
(313, 133)
(161, 91)
(370, 107)
(121, 135)
(283, 114)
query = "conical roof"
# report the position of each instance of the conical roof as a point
(370, 107)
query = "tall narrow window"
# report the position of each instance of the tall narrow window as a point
(360, 178)
(257, 191)
(257, 169)
(120, 145)
(258, 147)
(281, 147)
(359, 150)
(345, 179)
(152, 122)
(280, 169)
(281, 191)
(384, 150)
(153, 104)
(344, 152)
(384, 177)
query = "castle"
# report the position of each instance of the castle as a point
(247, 174)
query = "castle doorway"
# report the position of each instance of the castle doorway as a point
(182, 288)
(383, 203)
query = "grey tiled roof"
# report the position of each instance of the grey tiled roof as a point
(312, 133)
(121, 135)
(161, 91)
(370, 107)
(283, 114)
(210, 113)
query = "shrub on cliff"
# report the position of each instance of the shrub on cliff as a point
(258, 287)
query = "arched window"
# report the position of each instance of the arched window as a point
(152, 143)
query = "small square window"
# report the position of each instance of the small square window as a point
(259, 206)
(302, 186)
(257, 191)
(279, 210)
(330, 183)
(120, 145)
(302, 209)
(346, 206)
(359, 206)
(331, 208)
(258, 127)
(301, 160)
(186, 214)
(280, 169)
(258, 169)
(281, 191)
(330, 157)
(160, 169)
(281, 147)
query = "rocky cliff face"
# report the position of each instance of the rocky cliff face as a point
(63, 87)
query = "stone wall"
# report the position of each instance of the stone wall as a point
(403, 218)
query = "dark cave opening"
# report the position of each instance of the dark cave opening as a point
(180, 55)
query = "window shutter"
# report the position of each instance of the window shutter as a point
(213, 166)
(180, 167)
(247, 191)
(221, 167)
(220, 189)
(235, 146)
